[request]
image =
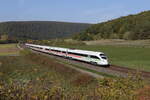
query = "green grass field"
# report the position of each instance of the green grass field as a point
(8, 49)
(127, 56)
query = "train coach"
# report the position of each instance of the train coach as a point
(96, 58)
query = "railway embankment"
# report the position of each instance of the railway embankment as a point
(111, 71)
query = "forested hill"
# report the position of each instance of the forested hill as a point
(41, 29)
(131, 27)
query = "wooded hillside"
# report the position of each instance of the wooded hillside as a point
(131, 27)
(41, 29)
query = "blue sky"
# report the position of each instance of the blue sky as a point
(86, 11)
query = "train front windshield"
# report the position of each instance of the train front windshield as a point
(103, 56)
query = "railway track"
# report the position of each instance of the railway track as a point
(112, 69)
(129, 70)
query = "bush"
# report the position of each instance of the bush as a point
(120, 89)
(108, 89)
(114, 36)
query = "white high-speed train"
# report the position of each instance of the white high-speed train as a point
(97, 58)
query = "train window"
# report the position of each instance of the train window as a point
(63, 51)
(47, 49)
(95, 57)
(84, 55)
(104, 57)
(70, 53)
(56, 50)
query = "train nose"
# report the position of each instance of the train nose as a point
(105, 62)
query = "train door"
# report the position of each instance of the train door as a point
(94, 59)
(89, 59)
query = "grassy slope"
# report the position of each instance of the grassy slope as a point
(45, 72)
(8, 49)
(35, 76)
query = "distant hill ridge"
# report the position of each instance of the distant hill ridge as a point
(41, 29)
(131, 27)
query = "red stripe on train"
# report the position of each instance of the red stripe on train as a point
(66, 54)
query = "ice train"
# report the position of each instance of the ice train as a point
(96, 58)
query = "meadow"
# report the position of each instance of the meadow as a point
(8, 49)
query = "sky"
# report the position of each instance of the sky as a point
(84, 11)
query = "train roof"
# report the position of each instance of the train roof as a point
(77, 51)
(85, 52)
(70, 50)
